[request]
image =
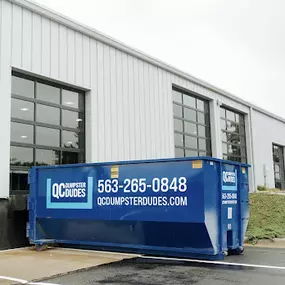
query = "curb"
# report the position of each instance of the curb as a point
(270, 243)
(281, 193)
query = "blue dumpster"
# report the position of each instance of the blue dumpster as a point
(188, 207)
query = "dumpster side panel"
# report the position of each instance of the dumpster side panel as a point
(244, 202)
(230, 208)
(158, 192)
(131, 205)
(212, 202)
(31, 201)
(171, 207)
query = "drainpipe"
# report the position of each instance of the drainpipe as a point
(252, 148)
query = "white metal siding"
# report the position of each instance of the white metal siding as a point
(128, 100)
(36, 49)
(63, 66)
(5, 89)
(44, 47)
(54, 50)
(265, 131)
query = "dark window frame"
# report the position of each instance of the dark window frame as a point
(81, 130)
(241, 136)
(281, 165)
(197, 136)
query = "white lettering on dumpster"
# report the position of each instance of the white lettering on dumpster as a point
(141, 185)
(143, 201)
(229, 177)
(69, 190)
(164, 191)
(229, 198)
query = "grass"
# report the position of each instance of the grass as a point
(267, 217)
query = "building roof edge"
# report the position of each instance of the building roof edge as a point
(93, 33)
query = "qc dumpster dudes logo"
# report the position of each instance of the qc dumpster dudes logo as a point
(69, 195)
(229, 180)
(229, 187)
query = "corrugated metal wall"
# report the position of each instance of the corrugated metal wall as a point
(266, 131)
(130, 98)
(129, 103)
(132, 106)
(44, 47)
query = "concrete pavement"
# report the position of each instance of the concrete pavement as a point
(257, 266)
(28, 264)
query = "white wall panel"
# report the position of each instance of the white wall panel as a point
(126, 111)
(70, 55)
(92, 109)
(46, 47)
(17, 14)
(107, 103)
(113, 108)
(100, 103)
(161, 128)
(265, 132)
(169, 110)
(86, 61)
(135, 105)
(119, 105)
(27, 40)
(147, 111)
(36, 43)
(78, 59)
(163, 115)
(157, 125)
(162, 118)
(167, 106)
(54, 50)
(5, 90)
(151, 111)
(63, 53)
(142, 148)
(131, 108)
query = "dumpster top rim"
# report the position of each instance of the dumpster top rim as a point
(204, 158)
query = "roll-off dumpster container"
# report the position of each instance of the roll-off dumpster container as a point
(190, 207)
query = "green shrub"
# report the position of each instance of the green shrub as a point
(261, 188)
(256, 233)
(267, 217)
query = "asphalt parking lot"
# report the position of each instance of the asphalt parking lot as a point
(257, 266)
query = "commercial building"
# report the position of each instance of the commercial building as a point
(70, 94)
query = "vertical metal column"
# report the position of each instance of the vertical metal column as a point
(216, 128)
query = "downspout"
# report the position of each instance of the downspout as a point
(252, 148)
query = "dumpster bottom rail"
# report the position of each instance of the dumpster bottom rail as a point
(190, 253)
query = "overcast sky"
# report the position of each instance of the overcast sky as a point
(237, 45)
